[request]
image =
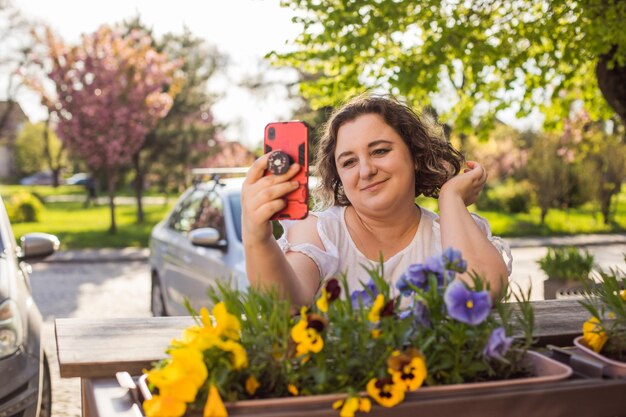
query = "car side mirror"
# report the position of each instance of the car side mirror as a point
(37, 246)
(207, 237)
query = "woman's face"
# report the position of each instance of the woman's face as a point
(374, 164)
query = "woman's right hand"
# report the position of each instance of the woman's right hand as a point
(261, 197)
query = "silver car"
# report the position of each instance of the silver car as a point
(196, 245)
(24, 374)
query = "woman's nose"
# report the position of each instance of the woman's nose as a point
(367, 169)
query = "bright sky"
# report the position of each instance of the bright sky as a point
(245, 30)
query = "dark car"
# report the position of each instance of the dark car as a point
(25, 389)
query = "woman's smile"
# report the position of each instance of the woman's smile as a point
(374, 185)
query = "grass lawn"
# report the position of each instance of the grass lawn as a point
(79, 227)
(42, 191)
(585, 219)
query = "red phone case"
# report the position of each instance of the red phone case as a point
(293, 139)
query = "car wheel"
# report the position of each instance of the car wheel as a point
(45, 410)
(157, 305)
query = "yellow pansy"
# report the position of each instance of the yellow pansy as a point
(191, 363)
(330, 292)
(322, 301)
(224, 323)
(182, 376)
(385, 391)
(374, 314)
(306, 335)
(252, 384)
(365, 405)
(593, 334)
(240, 357)
(293, 390)
(375, 333)
(162, 406)
(351, 405)
(622, 294)
(348, 407)
(214, 406)
(182, 390)
(407, 369)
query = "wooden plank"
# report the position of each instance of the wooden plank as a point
(101, 347)
(93, 348)
(558, 322)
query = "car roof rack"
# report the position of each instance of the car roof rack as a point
(215, 174)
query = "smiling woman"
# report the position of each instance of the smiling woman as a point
(376, 156)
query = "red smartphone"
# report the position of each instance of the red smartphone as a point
(289, 143)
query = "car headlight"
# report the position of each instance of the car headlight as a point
(11, 330)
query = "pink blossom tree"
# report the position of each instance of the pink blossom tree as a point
(110, 90)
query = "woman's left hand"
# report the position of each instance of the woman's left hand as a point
(466, 185)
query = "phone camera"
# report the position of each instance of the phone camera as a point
(271, 133)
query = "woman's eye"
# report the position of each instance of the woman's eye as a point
(347, 163)
(381, 151)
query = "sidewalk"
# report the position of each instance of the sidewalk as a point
(103, 200)
(141, 254)
(100, 255)
(573, 240)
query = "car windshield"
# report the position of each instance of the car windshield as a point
(235, 204)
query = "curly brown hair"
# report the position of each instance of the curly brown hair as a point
(435, 158)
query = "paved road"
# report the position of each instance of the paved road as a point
(110, 289)
(79, 285)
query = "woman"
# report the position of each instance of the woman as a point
(375, 158)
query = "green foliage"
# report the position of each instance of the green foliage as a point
(603, 169)
(567, 263)
(548, 173)
(185, 137)
(510, 197)
(470, 55)
(29, 148)
(24, 207)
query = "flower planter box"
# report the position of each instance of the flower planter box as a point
(557, 289)
(545, 370)
(612, 368)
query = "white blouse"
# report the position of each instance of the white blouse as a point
(340, 254)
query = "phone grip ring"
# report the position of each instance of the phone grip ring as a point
(278, 163)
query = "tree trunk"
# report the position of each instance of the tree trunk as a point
(544, 212)
(138, 187)
(612, 83)
(54, 167)
(56, 176)
(605, 201)
(111, 178)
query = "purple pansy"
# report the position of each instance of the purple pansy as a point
(417, 275)
(363, 297)
(453, 260)
(498, 344)
(465, 305)
(419, 312)
(414, 275)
